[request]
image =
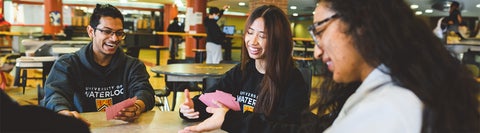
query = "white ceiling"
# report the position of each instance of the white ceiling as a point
(305, 7)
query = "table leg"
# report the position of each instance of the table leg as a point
(157, 61)
(24, 79)
(174, 101)
(198, 57)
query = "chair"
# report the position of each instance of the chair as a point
(208, 83)
(307, 76)
(162, 97)
(176, 86)
(7, 67)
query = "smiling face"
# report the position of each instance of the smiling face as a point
(336, 49)
(255, 39)
(106, 44)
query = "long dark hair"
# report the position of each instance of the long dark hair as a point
(277, 55)
(388, 32)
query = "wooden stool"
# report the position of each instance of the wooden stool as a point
(199, 55)
(304, 60)
(157, 59)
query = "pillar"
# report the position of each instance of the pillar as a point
(170, 12)
(53, 17)
(1, 7)
(198, 6)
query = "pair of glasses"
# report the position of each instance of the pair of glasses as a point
(313, 31)
(119, 33)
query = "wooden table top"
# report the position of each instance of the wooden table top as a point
(193, 69)
(149, 122)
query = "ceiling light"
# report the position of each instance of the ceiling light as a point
(414, 6)
(478, 6)
(241, 3)
(418, 13)
(295, 14)
(293, 7)
(428, 11)
(313, 12)
(179, 3)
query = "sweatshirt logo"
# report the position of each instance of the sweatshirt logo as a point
(102, 104)
(104, 92)
(247, 100)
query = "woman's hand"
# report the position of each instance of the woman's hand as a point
(212, 123)
(187, 107)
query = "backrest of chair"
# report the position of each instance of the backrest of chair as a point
(307, 76)
(209, 82)
(192, 86)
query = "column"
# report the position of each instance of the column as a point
(198, 6)
(1, 7)
(53, 17)
(170, 12)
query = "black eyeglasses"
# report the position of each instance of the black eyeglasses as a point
(119, 33)
(312, 28)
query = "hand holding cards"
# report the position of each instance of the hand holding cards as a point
(112, 111)
(222, 97)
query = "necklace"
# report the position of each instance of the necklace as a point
(260, 67)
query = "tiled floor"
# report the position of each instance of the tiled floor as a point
(146, 55)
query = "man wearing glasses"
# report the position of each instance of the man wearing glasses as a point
(100, 74)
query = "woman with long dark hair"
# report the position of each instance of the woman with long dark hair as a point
(266, 81)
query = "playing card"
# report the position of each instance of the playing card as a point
(112, 111)
(222, 97)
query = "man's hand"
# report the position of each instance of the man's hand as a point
(131, 113)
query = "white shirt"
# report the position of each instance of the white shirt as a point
(379, 106)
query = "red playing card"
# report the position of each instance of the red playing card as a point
(222, 97)
(112, 111)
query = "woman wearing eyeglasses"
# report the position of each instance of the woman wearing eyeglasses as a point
(387, 74)
(398, 75)
(100, 74)
(266, 81)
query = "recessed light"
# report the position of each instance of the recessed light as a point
(478, 6)
(241, 3)
(293, 7)
(413, 6)
(428, 11)
(418, 13)
(295, 14)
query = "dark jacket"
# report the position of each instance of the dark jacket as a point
(214, 33)
(77, 82)
(30, 118)
(175, 27)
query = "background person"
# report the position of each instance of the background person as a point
(175, 26)
(5, 27)
(215, 36)
(454, 19)
(266, 81)
(100, 74)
